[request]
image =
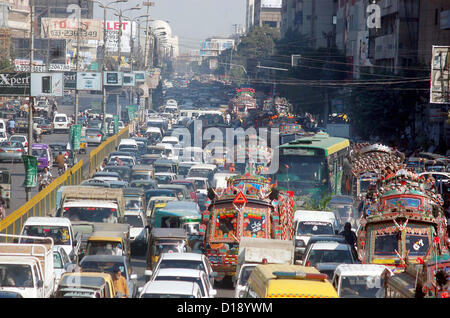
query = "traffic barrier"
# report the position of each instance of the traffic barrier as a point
(97, 155)
(42, 203)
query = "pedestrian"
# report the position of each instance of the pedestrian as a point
(120, 284)
(349, 235)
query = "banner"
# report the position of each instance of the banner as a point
(47, 84)
(116, 124)
(31, 169)
(75, 136)
(15, 84)
(112, 36)
(440, 75)
(89, 81)
(67, 29)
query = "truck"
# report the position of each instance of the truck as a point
(92, 204)
(27, 268)
(254, 251)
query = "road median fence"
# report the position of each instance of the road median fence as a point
(44, 202)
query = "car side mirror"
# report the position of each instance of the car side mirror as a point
(74, 243)
(40, 283)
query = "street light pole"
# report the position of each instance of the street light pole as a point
(30, 98)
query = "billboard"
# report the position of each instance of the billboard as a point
(139, 76)
(67, 29)
(440, 75)
(14, 84)
(112, 78)
(128, 79)
(112, 36)
(47, 84)
(89, 81)
(70, 80)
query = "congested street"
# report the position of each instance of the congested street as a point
(271, 163)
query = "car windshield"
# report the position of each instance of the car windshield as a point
(162, 169)
(361, 286)
(60, 119)
(16, 275)
(144, 185)
(314, 228)
(17, 139)
(163, 179)
(98, 266)
(183, 170)
(133, 204)
(12, 144)
(302, 169)
(182, 263)
(141, 176)
(59, 234)
(200, 184)
(386, 244)
(201, 173)
(92, 132)
(40, 153)
(329, 256)
(183, 279)
(134, 220)
(91, 214)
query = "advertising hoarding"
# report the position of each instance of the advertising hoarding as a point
(128, 79)
(112, 78)
(67, 28)
(89, 81)
(14, 84)
(70, 80)
(112, 36)
(139, 76)
(47, 84)
(440, 75)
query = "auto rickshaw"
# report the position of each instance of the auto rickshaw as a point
(165, 240)
(5, 185)
(108, 243)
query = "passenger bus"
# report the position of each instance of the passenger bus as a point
(313, 165)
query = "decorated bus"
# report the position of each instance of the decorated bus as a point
(248, 207)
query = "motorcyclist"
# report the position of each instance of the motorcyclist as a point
(36, 132)
(45, 178)
(61, 161)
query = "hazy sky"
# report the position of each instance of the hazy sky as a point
(191, 20)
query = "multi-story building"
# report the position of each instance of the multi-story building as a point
(249, 14)
(315, 19)
(18, 17)
(214, 46)
(268, 12)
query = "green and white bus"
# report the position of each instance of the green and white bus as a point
(313, 166)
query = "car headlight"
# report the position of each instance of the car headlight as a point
(299, 243)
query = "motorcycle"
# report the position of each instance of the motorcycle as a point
(43, 184)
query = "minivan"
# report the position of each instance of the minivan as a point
(61, 123)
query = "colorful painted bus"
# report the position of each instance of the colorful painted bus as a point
(313, 165)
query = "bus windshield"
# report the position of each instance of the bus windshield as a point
(302, 169)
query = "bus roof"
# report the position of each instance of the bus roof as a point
(329, 144)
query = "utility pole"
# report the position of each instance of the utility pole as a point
(105, 131)
(120, 60)
(30, 98)
(77, 64)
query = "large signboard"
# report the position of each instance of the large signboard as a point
(70, 80)
(112, 78)
(440, 75)
(47, 84)
(89, 81)
(112, 36)
(139, 76)
(14, 84)
(128, 79)
(67, 28)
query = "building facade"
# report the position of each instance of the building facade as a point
(268, 12)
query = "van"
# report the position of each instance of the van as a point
(2, 126)
(61, 123)
(43, 154)
(288, 281)
(309, 223)
(128, 143)
(203, 171)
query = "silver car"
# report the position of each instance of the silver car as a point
(11, 151)
(93, 136)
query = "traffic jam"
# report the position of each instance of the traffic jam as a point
(222, 191)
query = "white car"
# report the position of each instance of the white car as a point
(186, 275)
(202, 184)
(61, 263)
(19, 138)
(173, 140)
(127, 161)
(170, 289)
(3, 136)
(138, 229)
(184, 260)
(93, 136)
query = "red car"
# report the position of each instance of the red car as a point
(191, 187)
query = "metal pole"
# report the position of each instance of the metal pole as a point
(77, 65)
(105, 131)
(146, 42)
(120, 60)
(30, 98)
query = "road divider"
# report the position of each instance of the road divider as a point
(43, 203)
